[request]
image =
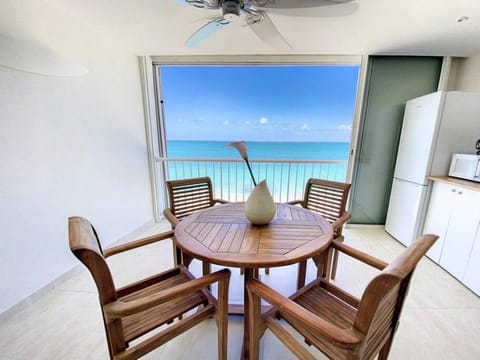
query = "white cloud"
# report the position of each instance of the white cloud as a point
(247, 122)
(263, 120)
(305, 127)
(226, 122)
(344, 127)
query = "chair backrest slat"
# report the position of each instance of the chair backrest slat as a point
(189, 195)
(328, 198)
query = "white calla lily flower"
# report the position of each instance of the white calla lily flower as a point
(241, 147)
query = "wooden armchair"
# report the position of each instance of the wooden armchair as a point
(329, 318)
(185, 197)
(138, 309)
(329, 199)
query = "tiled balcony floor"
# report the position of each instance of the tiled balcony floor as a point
(441, 318)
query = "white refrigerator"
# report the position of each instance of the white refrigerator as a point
(434, 127)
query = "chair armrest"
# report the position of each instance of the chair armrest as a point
(119, 308)
(221, 201)
(359, 255)
(294, 202)
(170, 217)
(345, 338)
(137, 243)
(341, 220)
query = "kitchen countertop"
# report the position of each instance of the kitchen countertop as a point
(454, 181)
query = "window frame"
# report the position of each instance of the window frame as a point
(153, 103)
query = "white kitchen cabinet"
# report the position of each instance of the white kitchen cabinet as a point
(461, 231)
(453, 214)
(472, 274)
(438, 214)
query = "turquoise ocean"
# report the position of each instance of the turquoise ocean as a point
(285, 179)
(260, 150)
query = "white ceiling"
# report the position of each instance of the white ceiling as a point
(160, 27)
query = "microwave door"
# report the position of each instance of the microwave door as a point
(465, 167)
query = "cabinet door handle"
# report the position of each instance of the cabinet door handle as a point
(460, 192)
(453, 190)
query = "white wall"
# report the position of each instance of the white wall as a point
(68, 146)
(467, 77)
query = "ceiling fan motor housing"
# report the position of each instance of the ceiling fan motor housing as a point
(231, 9)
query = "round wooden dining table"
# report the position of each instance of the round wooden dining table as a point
(222, 235)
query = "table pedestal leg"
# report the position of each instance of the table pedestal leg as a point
(302, 270)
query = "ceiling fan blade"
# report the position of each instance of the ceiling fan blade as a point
(313, 8)
(268, 32)
(207, 30)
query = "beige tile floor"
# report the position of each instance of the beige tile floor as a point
(441, 318)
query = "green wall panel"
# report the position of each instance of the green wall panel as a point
(391, 81)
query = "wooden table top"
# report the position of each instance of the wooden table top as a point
(222, 235)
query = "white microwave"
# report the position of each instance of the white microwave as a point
(465, 166)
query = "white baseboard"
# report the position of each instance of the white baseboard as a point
(36, 295)
(373, 226)
(30, 299)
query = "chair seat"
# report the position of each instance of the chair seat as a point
(328, 307)
(331, 319)
(141, 323)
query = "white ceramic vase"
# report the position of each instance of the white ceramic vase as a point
(260, 207)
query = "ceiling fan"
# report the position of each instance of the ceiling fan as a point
(254, 13)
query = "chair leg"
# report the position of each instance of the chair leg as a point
(186, 260)
(334, 264)
(335, 259)
(177, 255)
(206, 269)
(222, 319)
(324, 265)
(255, 326)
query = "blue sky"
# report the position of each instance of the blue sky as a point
(259, 103)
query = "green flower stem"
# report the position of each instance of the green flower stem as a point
(251, 173)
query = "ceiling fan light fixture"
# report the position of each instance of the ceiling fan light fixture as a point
(254, 14)
(231, 9)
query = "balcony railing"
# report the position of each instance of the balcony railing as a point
(231, 181)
